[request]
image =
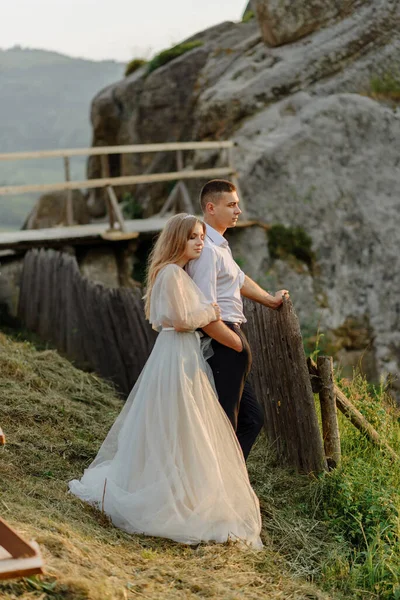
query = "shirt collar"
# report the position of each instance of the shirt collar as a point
(216, 237)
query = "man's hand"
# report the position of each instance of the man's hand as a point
(277, 299)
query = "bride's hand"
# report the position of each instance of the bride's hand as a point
(217, 311)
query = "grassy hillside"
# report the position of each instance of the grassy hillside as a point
(44, 104)
(337, 533)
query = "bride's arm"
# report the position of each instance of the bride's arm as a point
(177, 302)
(212, 315)
(224, 335)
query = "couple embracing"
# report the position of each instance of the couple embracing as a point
(173, 464)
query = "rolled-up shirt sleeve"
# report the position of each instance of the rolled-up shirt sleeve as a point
(203, 271)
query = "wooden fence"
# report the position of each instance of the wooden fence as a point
(107, 182)
(105, 329)
(97, 327)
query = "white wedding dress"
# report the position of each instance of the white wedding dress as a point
(171, 465)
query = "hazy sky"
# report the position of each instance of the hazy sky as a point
(119, 29)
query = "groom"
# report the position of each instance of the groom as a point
(222, 281)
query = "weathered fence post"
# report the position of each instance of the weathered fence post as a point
(351, 412)
(282, 385)
(330, 425)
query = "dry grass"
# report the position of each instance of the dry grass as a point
(54, 417)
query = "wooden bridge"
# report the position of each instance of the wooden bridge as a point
(117, 228)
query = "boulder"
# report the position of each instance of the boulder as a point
(343, 57)
(50, 211)
(286, 21)
(100, 265)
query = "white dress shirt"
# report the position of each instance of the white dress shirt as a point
(218, 276)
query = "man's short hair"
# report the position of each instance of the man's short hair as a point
(213, 190)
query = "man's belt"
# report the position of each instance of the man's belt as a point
(233, 325)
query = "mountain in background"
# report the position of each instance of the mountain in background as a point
(45, 101)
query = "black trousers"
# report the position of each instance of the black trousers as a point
(235, 394)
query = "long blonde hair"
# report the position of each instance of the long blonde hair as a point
(169, 248)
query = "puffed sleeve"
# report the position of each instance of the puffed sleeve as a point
(203, 271)
(176, 301)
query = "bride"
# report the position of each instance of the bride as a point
(171, 465)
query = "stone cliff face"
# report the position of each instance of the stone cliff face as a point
(312, 152)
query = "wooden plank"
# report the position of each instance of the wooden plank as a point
(171, 200)
(105, 173)
(115, 235)
(187, 201)
(78, 233)
(330, 425)
(115, 208)
(126, 149)
(13, 542)
(14, 568)
(69, 208)
(82, 234)
(116, 181)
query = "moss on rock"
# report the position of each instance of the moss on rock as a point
(134, 65)
(290, 241)
(166, 56)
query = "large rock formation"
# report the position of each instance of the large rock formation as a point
(331, 166)
(312, 152)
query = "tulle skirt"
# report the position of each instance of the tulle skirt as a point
(171, 465)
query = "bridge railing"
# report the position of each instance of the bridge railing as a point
(180, 175)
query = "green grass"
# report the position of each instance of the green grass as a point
(134, 65)
(386, 86)
(130, 208)
(170, 54)
(335, 536)
(361, 499)
(342, 529)
(248, 16)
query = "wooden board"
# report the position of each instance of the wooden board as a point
(82, 234)
(11, 568)
(103, 182)
(18, 558)
(30, 238)
(126, 149)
